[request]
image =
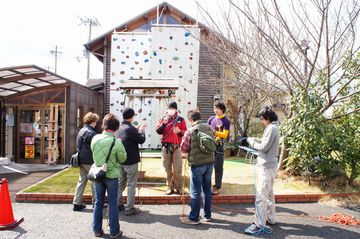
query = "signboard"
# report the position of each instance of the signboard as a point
(29, 151)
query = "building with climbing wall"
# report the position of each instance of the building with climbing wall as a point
(161, 44)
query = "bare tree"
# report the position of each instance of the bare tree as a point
(297, 42)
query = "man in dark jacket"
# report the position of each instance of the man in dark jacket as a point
(201, 164)
(131, 138)
(83, 143)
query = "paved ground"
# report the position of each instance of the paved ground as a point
(18, 182)
(161, 221)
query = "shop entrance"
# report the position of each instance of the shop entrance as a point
(36, 132)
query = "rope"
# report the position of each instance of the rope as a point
(340, 218)
(185, 172)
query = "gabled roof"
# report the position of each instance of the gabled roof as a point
(20, 79)
(96, 46)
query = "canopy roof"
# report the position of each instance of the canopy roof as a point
(19, 79)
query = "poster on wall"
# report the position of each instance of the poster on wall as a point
(29, 140)
(29, 151)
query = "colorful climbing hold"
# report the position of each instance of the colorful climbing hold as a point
(154, 53)
(146, 60)
(136, 62)
(176, 58)
(123, 63)
(186, 43)
(122, 72)
(137, 53)
(145, 52)
(115, 39)
(113, 74)
(171, 37)
(113, 59)
(187, 34)
(170, 66)
(112, 83)
(118, 47)
(160, 61)
(140, 110)
(127, 56)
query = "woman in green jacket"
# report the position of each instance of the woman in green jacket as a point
(100, 147)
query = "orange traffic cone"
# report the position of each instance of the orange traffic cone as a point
(7, 220)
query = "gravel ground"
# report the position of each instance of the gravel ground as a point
(162, 221)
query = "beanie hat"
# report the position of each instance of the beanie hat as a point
(128, 113)
(173, 105)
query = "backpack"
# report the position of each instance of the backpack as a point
(206, 142)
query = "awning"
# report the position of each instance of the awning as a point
(18, 79)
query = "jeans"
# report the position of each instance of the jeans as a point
(128, 177)
(111, 187)
(219, 165)
(200, 179)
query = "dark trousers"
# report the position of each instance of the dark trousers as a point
(219, 165)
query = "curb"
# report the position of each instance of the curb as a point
(177, 199)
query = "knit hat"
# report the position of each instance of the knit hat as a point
(128, 113)
(173, 105)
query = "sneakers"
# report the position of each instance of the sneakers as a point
(169, 191)
(252, 230)
(187, 221)
(117, 236)
(99, 234)
(268, 222)
(215, 190)
(207, 219)
(121, 207)
(132, 211)
(77, 208)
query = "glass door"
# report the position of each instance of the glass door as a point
(30, 146)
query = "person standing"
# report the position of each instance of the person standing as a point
(83, 142)
(266, 170)
(171, 128)
(202, 165)
(131, 137)
(221, 125)
(101, 146)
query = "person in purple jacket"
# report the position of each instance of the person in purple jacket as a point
(221, 125)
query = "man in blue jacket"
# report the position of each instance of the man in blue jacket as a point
(131, 138)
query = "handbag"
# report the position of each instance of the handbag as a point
(99, 173)
(74, 160)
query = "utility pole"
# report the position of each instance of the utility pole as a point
(91, 22)
(55, 52)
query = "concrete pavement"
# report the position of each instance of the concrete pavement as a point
(162, 221)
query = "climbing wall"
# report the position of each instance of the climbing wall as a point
(166, 52)
(175, 54)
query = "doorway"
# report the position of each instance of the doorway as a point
(33, 134)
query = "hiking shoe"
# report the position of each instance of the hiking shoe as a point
(117, 236)
(268, 222)
(169, 192)
(121, 207)
(77, 208)
(215, 191)
(252, 230)
(99, 234)
(207, 219)
(132, 211)
(187, 221)
(179, 191)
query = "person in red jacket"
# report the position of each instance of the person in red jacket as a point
(171, 128)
